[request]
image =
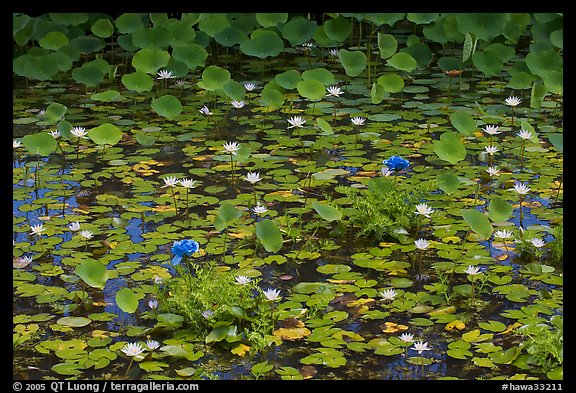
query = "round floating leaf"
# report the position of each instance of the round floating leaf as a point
(262, 44)
(192, 55)
(401, 282)
(272, 98)
(234, 90)
(288, 79)
(225, 216)
(499, 210)
(55, 112)
(327, 212)
(338, 29)
(449, 63)
(88, 75)
(129, 23)
(422, 18)
(331, 268)
(391, 82)
(69, 19)
(485, 26)
(127, 300)
(93, 273)
(557, 38)
(150, 60)
(271, 19)
(387, 45)
(354, 62)
(450, 148)
(102, 28)
(463, 122)
(54, 40)
(313, 287)
(105, 134)
(214, 77)
(230, 36)
(402, 61)
(40, 143)
(299, 30)
(521, 80)
(487, 62)
(557, 141)
(448, 182)
(36, 67)
(88, 44)
(212, 23)
(311, 89)
(556, 374)
(138, 81)
(320, 74)
(106, 96)
(156, 37)
(268, 233)
(68, 368)
(167, 106)
(478, 222)
(420, 52)
(74, 321)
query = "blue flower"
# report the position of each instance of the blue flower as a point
(183, 248)
(396, 163)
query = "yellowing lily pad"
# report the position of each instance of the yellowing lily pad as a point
(458, 324)
(240, 349)
(73, 321)
(392, 327)
(292, 333)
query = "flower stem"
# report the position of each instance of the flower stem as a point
(175, 205)
(129, 365)
(224, 248)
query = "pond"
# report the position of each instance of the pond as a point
(356, 196)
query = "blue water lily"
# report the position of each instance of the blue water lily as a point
(183, 248)
(396, 163)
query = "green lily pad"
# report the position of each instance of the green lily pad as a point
(74, 321)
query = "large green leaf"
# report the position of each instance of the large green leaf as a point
(138, 81)
(354, 62)
(478, 222)
(289, 79)
(271, 19)
(155, 38)
(55, 112)
(269, 234)
(272, 98)
(485, 26)
(107, 96)
(499, 210)
(403, 61)
(102, 28)
(449, 147)
(262, 44)
(320, 74)
(40, 143)
(214, 77)
(127, 300)
(167, 106)
(311, 89)
(54, 40)
(225, 216)
(488, 62)
(448, 182)
(93, 273)
(150, 60)
(105, 134)
(387, 45)
(299, 30)
(230, 36)
(463, 122)
(338, 29)
(391, 82)
(537, 94)
(327, 212)
(192, 55)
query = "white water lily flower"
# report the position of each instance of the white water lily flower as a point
(249, 86)
(420, 347)
(521, 188)
(16, 144)
(388, 294)
(472, 270)
(491, 149)
(513, 101)
(86, 234)
(153, 304)
(37, 229)
(79, 132)
(132, 349)
(334, 91)
(333, 52)
(359, 121)
(424, 210)
(170, 181)
(259, 209)
(187, 183)
(205, 111)
(164, 74)
(421, 244)
(407, 337)
(492, 130)
(74, 226)
(238, 104)
(493, 171)
(271, 294)
(386, 171)
(231, 147)
(524, 134)
(55, 134)
(180, 84)
(253, 177)
(242, 280)
(537, 242)
(152, 344)
(296, 121)
(503, 234)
